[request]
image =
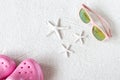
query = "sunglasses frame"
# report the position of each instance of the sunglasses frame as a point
(106, 26)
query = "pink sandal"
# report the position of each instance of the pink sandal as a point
(7, 66)
(27, 70)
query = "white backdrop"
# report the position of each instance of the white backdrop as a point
(23, 30)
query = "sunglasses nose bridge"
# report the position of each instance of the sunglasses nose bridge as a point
(91, 23)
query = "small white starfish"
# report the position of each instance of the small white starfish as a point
(57, 28)
(67, 50)
(80, 37)
(3, 51)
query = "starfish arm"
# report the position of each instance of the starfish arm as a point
(69, 47)
(59, 22)
(64, 46)
(50, 33)
(65, 52)
(82, 34)
(76, 40)
(58, 34)
(76, 35)
(51, 23)
(82, 40)
(69, 51)
(68, 54)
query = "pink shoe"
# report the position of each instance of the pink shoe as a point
(7, 66)
(27, 70)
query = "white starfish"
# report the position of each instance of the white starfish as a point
(67, 50)
(3, 51)
(57, 28)
(80, 37)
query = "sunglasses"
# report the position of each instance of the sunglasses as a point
(99, 33)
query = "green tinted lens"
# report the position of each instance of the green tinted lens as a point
(99, 35)
(84, 16)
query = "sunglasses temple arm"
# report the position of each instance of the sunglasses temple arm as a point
(106, 26)
(103, 21)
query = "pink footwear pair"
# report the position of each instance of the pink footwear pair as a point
(27, 70)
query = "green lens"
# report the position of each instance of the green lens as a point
(99, 35)
(84, 16)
